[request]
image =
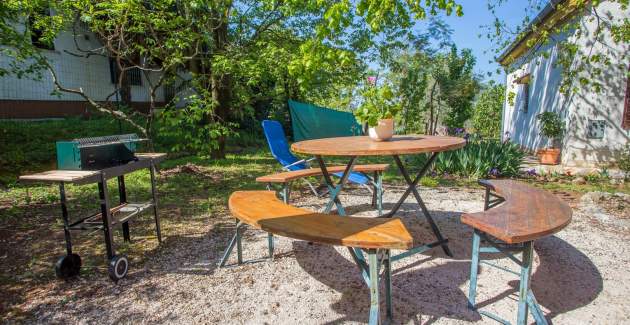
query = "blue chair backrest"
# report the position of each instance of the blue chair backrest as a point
(278, 144)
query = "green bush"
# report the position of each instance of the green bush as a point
(624, 161)
(486, 118)
(480, 158)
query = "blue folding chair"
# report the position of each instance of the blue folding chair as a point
(279, 147)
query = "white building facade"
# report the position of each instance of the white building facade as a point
(597, 123)
(29, 98)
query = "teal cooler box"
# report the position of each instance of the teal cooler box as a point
(97, 152)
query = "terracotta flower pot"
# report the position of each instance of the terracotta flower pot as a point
(383, 131)
(549, 156)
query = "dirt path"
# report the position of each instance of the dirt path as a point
(580, 276)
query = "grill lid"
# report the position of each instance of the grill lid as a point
(108, 139)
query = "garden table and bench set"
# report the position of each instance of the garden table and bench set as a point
(515, 216)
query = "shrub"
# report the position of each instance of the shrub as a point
(624, 161)
(487, 112)
(552, 127)
(481, 158)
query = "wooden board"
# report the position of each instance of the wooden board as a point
(65, 176)
(364, 146)
(297, 174)
(527, 214)
(263, 210)
(91, 176)
(155, 156)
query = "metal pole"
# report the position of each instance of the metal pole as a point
(374, 299)
(474, 270)
(388, 285)
(526, 272)
(64, 216)
(122, 195)
(105, 215)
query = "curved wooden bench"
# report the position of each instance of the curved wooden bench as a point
(263, 210)
(376, 236)
(517, 216)
(527, 213)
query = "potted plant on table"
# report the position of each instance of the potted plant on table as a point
(552, 128)
(378, 110)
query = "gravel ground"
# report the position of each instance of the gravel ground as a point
(580, 276)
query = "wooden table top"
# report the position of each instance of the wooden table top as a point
(364, 146)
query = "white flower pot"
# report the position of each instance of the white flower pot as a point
(383, 131)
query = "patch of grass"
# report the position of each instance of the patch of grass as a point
(429, 182)
(29, 146)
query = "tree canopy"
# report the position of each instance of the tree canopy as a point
(231, 53)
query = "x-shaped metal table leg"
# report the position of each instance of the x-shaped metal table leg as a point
(412, 189)
(333, 189)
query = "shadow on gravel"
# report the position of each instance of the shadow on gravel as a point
(564, 280)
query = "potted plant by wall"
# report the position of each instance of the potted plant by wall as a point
(552, 127)
(378, 109)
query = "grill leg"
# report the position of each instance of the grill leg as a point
(64, 215)
(122, 193)
(107, 224)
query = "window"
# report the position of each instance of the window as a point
(133, 76)
(523, 85)
(625, 119)
(37, 34)
(596, 129)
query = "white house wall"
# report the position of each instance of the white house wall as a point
(91, 74)
(578, 108)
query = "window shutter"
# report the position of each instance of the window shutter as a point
(625, 123)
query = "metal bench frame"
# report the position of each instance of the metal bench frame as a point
(526, 302)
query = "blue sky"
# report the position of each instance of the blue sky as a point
(467, 28)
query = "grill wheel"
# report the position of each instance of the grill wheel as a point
(118, 267)
(68, 266)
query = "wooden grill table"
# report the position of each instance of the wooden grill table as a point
(363, 146)
(108, 216)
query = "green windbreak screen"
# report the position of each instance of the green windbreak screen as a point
(315, 122)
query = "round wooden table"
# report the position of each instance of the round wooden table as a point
(362, 146)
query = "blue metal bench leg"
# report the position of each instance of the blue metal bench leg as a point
(523, 292)
(474, 270)
(379, 191)
(239, 246)
(270, 243)
(374, 301)
(228, 250)
(387, 263)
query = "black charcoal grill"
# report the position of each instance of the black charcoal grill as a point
(95, 153)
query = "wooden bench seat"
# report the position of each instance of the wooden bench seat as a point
(526, 214)
(288, 176)
(263, 210)
(374, 236)
(516, 214)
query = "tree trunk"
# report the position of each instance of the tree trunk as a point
(221, 86)
(430, 124)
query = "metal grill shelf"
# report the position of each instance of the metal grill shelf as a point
(120, 214)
